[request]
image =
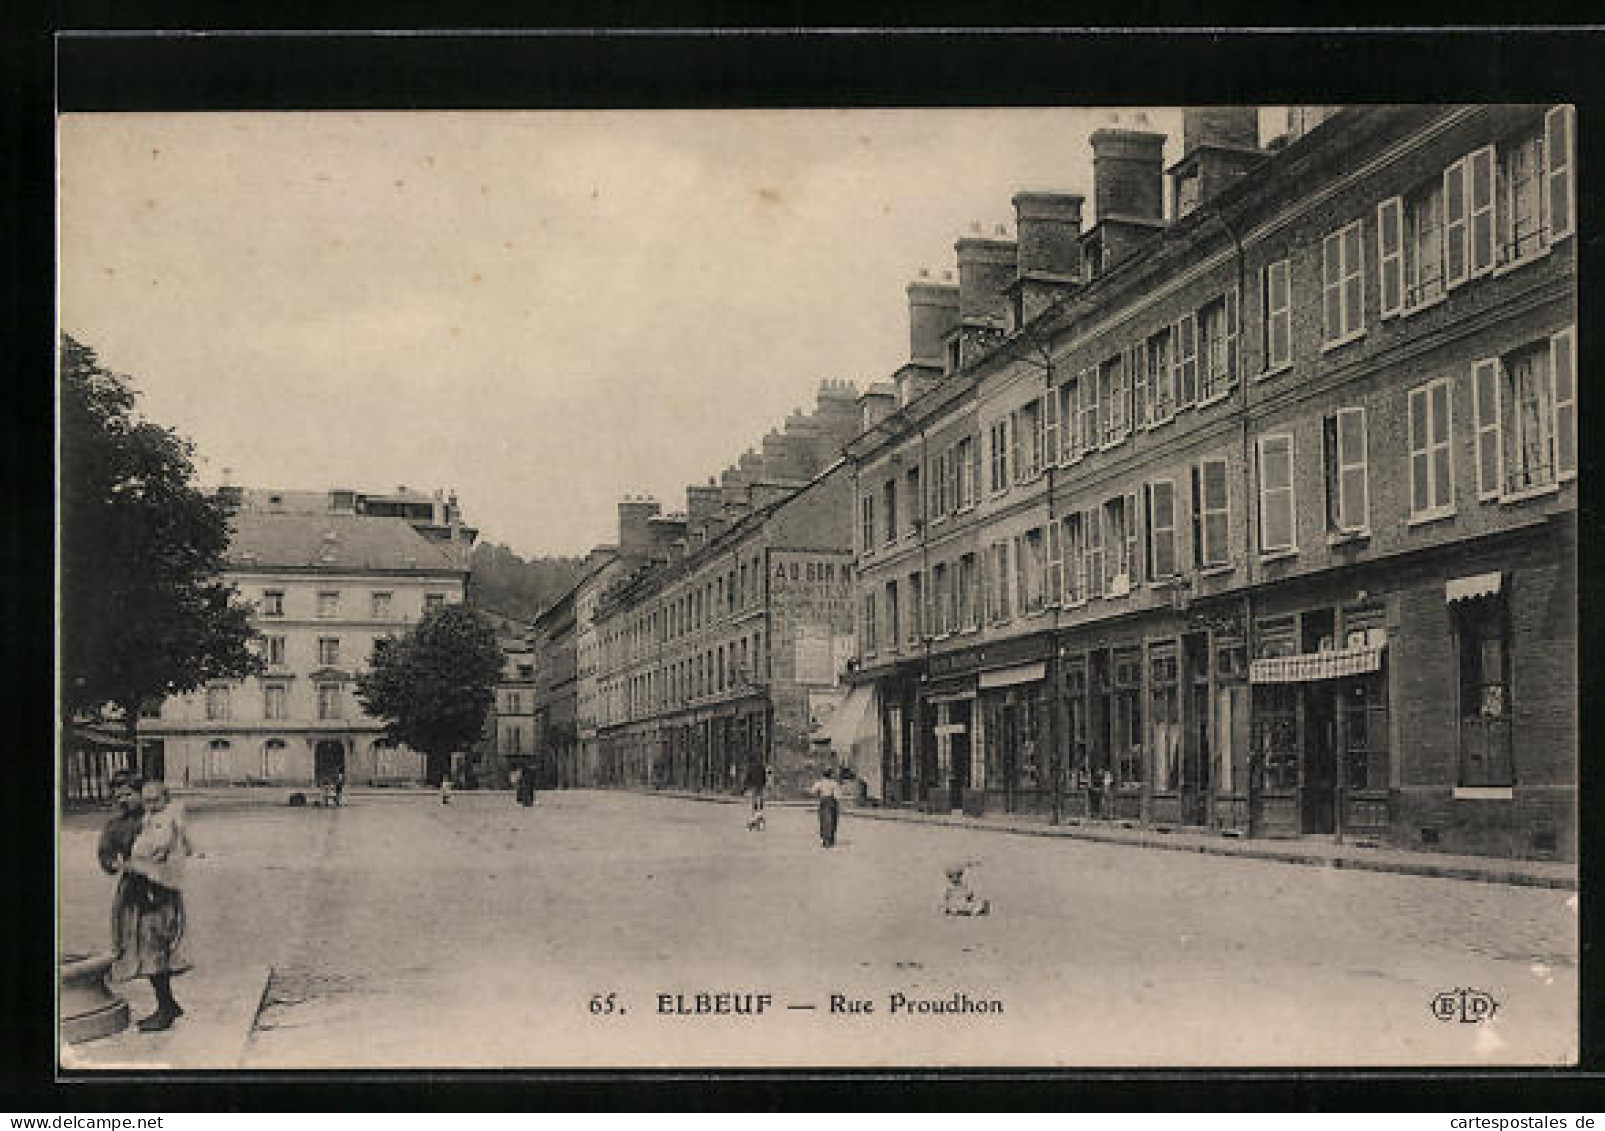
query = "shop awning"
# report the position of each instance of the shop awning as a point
(852, 722)
(1317, 665)
(1020, 673)
(1470, 588)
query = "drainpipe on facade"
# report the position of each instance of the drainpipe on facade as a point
(1051, 669)
(1249, 498)
(915, 725)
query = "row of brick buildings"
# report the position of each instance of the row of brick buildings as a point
(1256, 512)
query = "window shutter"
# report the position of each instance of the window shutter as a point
(1558, 123)
(1050, 427)
(1352, 473)
(1015, 446)
(1419, 499)
(1456, 250)
(1133, 539)
(1485, 397)
(1162, 529)
(1118, 398)
(1176, 364)
(1021, 585)
(1187, 393)
(1198, 516)
(1234, 336)
(1390, 254)
(1093, 533)
(1332, 286)
(1141, 414)
(1055, 564)
(1563, 367)
(1481, 170)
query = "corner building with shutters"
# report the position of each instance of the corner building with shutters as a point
(1253, 512)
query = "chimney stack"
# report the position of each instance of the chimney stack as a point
(986, 268)
(635, 535)
(1049, 227)
(933, 311)
(876, 403)
(836, 414)
(1220, 147)
(1128, 174)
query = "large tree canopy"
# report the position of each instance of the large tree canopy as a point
(145, 613)
(433, 687)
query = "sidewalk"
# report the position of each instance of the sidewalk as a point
(1319, 852)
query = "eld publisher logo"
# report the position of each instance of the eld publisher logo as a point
(1468, 1006)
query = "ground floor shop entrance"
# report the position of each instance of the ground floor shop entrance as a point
(1319, 761)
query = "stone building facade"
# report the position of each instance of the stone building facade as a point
(327, 579)
(728, 652)
(1257, 515)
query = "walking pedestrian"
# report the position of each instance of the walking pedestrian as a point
(526, 787)
(445, 789)
(339, 788)
(149, 937)
(757, 778)
(829, 792)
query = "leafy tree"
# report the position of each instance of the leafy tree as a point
(433, 687)
(516, 588)
(144, 611)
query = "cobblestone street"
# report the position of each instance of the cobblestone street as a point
(400, 932)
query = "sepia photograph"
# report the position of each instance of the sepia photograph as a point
(962, 587)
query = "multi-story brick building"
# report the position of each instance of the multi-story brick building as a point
(328, 577)
(556, 659)
(1259, 515)
(730, 650)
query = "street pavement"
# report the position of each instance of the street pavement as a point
(397, 932)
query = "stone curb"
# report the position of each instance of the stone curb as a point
(1495, 872)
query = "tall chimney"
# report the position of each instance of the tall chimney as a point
(933, 310)
(1048, 225)
(986, 268)
(1220, 145)
(1128, 174)
(876, 403)
(635, 537)
(702, 501)
(836, 414)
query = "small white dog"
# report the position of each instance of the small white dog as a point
(756, 823)
(960, 898)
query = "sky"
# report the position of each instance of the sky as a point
(542, 311)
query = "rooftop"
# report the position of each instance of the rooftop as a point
(334, 542)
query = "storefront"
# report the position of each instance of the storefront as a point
(1319, 751)
(946, 735)
(1017, 774)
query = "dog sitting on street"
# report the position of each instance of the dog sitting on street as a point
(960, 898)
(756, 823)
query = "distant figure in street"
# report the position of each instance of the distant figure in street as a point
(148, 938)
(829, 792)
(445, 789)
(526, 787)
(1106, 792)
(757, 779)
(339, 787)
(959, 898)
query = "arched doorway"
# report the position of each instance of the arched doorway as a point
(328, 760)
